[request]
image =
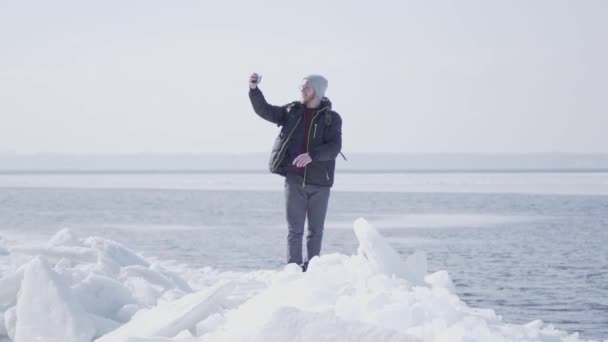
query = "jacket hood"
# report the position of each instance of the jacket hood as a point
(325, 102)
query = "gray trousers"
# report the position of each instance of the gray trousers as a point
(303, 202)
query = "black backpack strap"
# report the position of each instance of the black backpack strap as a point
(328, 118)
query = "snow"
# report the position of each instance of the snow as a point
(86, 289)
(291, 324)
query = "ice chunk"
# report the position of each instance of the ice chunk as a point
(9, 287)
(3, 249)
(64, 237)
(150, 339)
(535, 324)
(208, 324)
(168, 319)
(440, 279)
(102, 295)
(175, 278)
(3, 331)
(46, 310)
(383, 258)
(117, 252)
(154, 284)
(144, 292)
(103, 325)
(126, 312)
(63, 264)
(106, 266)
(73, 272)
(184, 335)
(171, 295)
(10, 322)
(147, 274)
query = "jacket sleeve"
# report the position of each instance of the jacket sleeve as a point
(333, 143)
(274, 114)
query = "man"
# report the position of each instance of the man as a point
(305, 154)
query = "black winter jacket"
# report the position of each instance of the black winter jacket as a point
(324, 140)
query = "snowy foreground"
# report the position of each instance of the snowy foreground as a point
(77, 289)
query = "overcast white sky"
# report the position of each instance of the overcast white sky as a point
(425, 76)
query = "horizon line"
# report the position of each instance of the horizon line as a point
(27, 154)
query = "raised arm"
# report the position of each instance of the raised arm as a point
(274, 114)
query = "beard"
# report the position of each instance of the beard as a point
(306, 99)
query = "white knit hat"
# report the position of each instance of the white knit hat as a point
(318, 83)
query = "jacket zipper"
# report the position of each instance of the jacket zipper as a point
(278, 161)
(315, 134)
(308, 142)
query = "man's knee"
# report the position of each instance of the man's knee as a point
(315, 233)
(295, 234)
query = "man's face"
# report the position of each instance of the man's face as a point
(307, 92)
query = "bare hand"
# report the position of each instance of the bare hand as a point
(254, 80)
(302, 160)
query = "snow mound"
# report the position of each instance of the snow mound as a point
(291, 324)
(94, 289)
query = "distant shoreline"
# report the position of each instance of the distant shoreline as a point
(357, 163)
(258, 171)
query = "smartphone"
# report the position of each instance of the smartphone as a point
(259, 79)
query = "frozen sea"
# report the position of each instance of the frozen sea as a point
(527, 245)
